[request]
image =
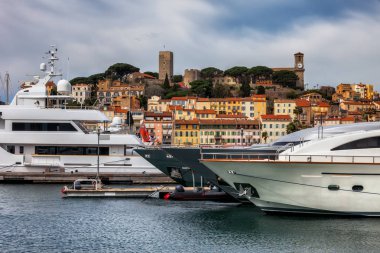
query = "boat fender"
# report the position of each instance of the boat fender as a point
(179, 188)
(64, 189)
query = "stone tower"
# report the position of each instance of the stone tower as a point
(299, 69)
(191, 75)
(165, 65)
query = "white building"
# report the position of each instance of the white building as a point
(81, 92)
(274, 126)
(284, 107)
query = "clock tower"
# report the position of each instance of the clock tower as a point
(299, 69)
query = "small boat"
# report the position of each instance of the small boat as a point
(200, 193)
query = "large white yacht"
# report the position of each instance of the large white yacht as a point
(38, 134)
(334, 174)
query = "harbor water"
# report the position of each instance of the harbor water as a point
(34, 218)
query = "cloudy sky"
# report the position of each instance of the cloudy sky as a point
(340, 38)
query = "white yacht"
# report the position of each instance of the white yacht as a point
(333, 174)
(38, 134)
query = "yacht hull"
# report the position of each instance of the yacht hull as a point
(301, 187)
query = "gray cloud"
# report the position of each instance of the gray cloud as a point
(96, 34)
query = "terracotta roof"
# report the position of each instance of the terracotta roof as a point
(203, 99)
(230, 116)
(158, 114)
(182, 85)
(303, 103)
(51, 83)
(232, 99)
(217, 100)
(119, 110)
(323, 104)
(175, 107)
(348, 118)
(259, 96)
(183, 98)
(206, 111)
(186, 122)
(179, 98)
(284, 101)
(276, 117)
(354, 113)
(249, 99)
(149, 76)
(228, 122)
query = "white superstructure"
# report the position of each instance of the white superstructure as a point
(38, 134)
(336, 174)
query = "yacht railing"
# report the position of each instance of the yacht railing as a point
(275, 157)
(240, 156)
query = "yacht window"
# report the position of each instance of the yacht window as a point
(11, 149)
(50, 127)
(21, 149)
(69, 150)
(372, 142)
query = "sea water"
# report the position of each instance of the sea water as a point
(35, 218)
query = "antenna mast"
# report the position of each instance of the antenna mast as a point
(7, 85)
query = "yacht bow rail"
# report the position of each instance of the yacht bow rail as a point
(275, 157)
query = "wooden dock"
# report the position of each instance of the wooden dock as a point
(62, 178)
(132, 192)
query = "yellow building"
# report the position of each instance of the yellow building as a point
(205, 114)
(233, 105)
(284, 106)
(260, 106)
(229, 132)
(364, 90)
(186, 132)
(218, 104)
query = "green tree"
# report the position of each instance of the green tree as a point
(94, 79)
(118, 70)
(166, 84)
(260, 72)
(143, 102)
(245, 89)
(285, 78)
(177, 78)
(264, 135)
(298, 111)
(210, 72)
(236, 71)
(260, 90)
(220, 91)
(201, 88)
(154, 74)
(291, 95)
(78, 80)
(179, 93)
(293, 126)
